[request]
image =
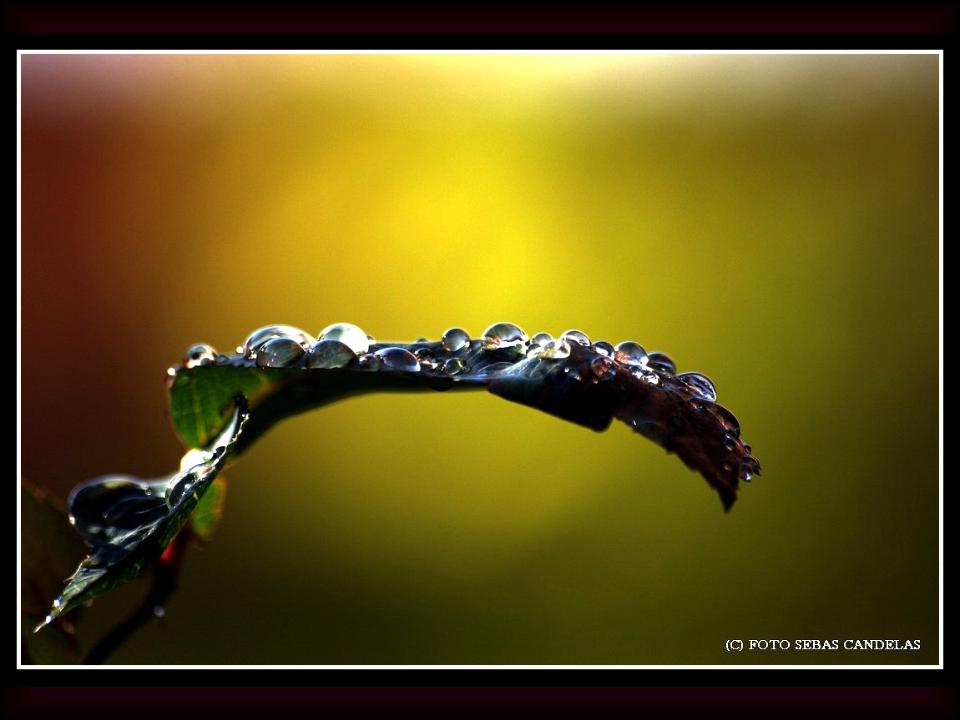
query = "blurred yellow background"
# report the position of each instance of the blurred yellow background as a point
(769, 220)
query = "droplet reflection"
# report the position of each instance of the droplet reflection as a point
(700, 384)
(576, 336)
(630, 353)
(349, 334)
(455, 339)
(279, 352)
(662, 362)
(327, 354)
(398, 359)
(259, 337)
(198, 354)
(502, 336)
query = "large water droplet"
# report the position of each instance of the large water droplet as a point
(329, 354)
(630, 353)
(198, 354)
(576, 336)
(398, 359)
(604, 348)
(454, 339)
(349, 334)
(662, 362)
(453, 366)
(279, 352)
(257, 338)
(503, 335)
(541, 339)
(700, 384)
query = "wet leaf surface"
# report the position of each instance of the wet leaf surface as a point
(220, 404)
(586, 383)
(127, 523)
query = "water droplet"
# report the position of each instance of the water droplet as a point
(371, 362)
(454, 339)
(398, 359)
(327, 354)
(630, 353)
(198, 354)
(604, 348)
(158, 611)
(651, 378)
(426, 358)
(603, 368)
(748, 449)
(662, 362)
(700, 384)
(58, 603)
(259, 337)
(576, 336)
(729, 441)
(349, 334)
(279, 352)
(554, 350)
(502, 336)
(453, 366)
(744, 471)
(541, 339)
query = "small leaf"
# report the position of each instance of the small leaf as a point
(126, 523)
(207, 514)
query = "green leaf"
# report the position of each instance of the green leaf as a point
(209, 510)
(127, 523)
(200, 402)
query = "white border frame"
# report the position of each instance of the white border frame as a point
(939, 53)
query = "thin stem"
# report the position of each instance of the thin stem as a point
(165, 574)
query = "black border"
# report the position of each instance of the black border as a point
(575, 692)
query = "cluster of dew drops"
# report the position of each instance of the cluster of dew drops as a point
(343, 344)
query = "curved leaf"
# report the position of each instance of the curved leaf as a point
(582, 383)
(223, 403)
(127, 523)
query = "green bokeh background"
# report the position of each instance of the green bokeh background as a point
(769, 220)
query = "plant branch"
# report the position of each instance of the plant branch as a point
(164, 582)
